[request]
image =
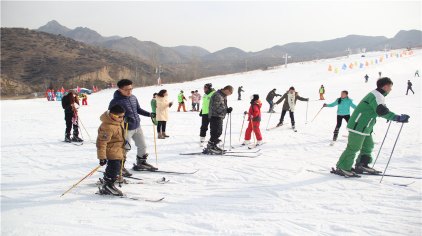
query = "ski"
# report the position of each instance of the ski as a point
(255, 146)
(228, 154)
(162, 180)
(74, 143)
(368, 174)
(170, 172)
(135, 198)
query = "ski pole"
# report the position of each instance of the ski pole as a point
(269, 118)
(230, 116)
(79, 119)
(155, 144)
(307, 103)
(225, 131)
(381, 145)
(241, 129)
(398, 135)
(317, 114)
(86, 176)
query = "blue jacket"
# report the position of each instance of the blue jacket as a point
(344, 107)
(132, 108)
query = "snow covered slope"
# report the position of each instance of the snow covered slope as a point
(272, 194)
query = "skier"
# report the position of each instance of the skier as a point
(110, 147)
(124, 97)
(197, 100)
(239, 93)
(290, 98)
(270, 97)
(379, 74)
(84, 99)
(71, 117)
(366, 78)
(321, 92)
(361, 126)
(162, 113)
(417, 73)
(209, 91)
(154, 107)
(254, 118)
(192, 98)
(343, 110)
(409, 87)
(217, 111)
(181, 98)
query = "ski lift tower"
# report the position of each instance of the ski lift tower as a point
(349, 52)
(158, 71)
(286, 56)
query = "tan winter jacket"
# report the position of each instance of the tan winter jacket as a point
(162, 108)
(110, 140)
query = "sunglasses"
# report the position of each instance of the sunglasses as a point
(116, 116)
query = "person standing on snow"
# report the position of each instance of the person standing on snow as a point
(209, 91)
(321, 92)
(366, 78)
(254, 118)
(163, 106)
(71, 116)
(217, 112)
(154, 107)
(270, 98)
(343, 104)
(124, 97)
(409, 87)
(361, 125)
(239, 93)
(290, 98)
(197, 100)
(417, 73)
(181, 99)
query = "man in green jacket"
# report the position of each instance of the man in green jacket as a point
(209, 91)
(360, 128)
(181, 100)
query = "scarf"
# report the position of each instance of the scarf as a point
(291, 101)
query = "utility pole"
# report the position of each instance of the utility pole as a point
(286, 56)
(158, 71)
(349, 52)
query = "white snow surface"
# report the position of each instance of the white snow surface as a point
(272, 194)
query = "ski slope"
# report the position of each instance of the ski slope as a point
(272, 194)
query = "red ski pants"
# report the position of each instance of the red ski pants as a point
(256, 129)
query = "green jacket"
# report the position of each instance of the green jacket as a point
(364, 116)
(180, 98)
(322, 90)
(153, 105)
(206, 102)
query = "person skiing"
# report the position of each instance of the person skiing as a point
(270, 97)
(197, 100)
(192, 98)
(154, 107)
(124, 97)
(209, 91)
(379, 74)
(366, 78)
(111, 148)
(290, 98)
(163, 106)
(181, 99)
(217, 111)
(321, 92)
(361, 126)
(71, 116)
(239, 93)
(409, 87)
(254, 118)
(343, 104)
(417, 73)
(84, 99)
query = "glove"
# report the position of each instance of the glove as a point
(229, 110)
(325, 105)
(402, 119)
(307, 100)
(103, 162)
(245, 113)
(170, 104)
(153, 115)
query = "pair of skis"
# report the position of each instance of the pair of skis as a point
(278, 126)
(254, 153)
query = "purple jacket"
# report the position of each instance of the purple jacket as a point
(132, 108)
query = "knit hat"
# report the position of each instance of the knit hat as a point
(208, 86)
(383, 81)
(292, 88)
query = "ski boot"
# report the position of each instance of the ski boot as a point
(165, 135)
(246, 143)
(213, 149)
(202, 140)
(363, 168)
(108, 187)
(75, 138)
(141, 164)
(259, 142)
(280, 124)
(67, 138)
(344, 173)
(125, 172)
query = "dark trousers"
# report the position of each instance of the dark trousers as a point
(409, 88)
(271, 104)
(216, 129)
(161, 126)
(113, 169)
(292, 116)
(204, 125)
(239, 97)
(68, 118)
(339, 121)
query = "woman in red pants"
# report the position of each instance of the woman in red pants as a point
(254, 118)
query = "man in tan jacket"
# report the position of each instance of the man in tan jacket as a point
(110, 147)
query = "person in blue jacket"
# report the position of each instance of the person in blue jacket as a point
(343, 104)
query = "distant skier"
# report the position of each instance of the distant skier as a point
(84, 99)
(361, 126)
(409, 87)
(254, 118)
(209, 91)
(321, 92)
(290, 98)
(110, 148)
(71, 116)
(343, 110)
(239, 93)
(366, 78)
(197, 99)
(181, 100)
(417, 73)
(270, 98)
(379, 74)
(217, 111)
(192, 98)
(163, 106)
(154, 107)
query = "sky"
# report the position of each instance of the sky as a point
(250, 26)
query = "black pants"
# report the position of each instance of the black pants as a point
(113, 169)
(68, 118)
(409, 88)
(216, 129)
(339, 121)
(204, 125)
(292, 116)
(161, 126)
(239, 97)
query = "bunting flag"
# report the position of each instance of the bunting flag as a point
(336, 70)
(361, 65)
(330, 68)
(366, 63)
(344, 67)
(376, 61)
(356, 63)
(351, 66)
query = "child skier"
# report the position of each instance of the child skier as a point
(181, 99)
(343, 110)
(290, 98)
(321, 92)
(254, 118)
(110, 148)
(71, 117)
